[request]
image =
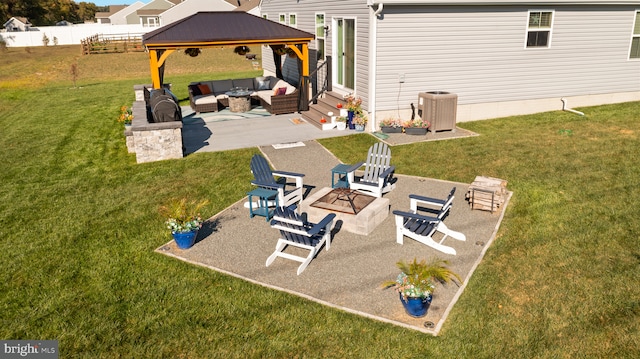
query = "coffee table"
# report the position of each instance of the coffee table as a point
(239, 100)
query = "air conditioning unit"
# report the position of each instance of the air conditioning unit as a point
(439, 108)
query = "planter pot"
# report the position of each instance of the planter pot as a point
(350, 123)
(388, 129)
(359, 128)
(185, 240)
(341, 125)
(416, 131)
(416, 307)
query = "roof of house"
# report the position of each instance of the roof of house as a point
(504, 2)
(18, 18)
(245, 5)
(222, 28)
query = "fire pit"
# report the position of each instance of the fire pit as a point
(359, 213)
(343, 200)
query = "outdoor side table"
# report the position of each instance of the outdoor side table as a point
(341, 171)
(264, 195)
(239, 100)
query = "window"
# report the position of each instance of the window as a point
(320, 47)
(265, 16)
(293, 20)
(635, 38)
(539, 28)
(282, 18)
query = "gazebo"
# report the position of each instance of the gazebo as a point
(221, 28)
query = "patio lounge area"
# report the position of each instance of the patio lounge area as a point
(348, 276)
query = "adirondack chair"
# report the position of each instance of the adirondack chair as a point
(296, 231)
(378, 174)
(422, 228)
(288, 193)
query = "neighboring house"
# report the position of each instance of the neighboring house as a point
(103, 17)
(149, 15)
(500, 57)
(249, 6)
(121, 17)
(17, 23)
(190, 7)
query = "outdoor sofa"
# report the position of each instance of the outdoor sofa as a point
(275, 95)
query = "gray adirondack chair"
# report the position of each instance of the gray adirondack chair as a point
(422, 228)
(289, 193)
(378, 173)
(297, 232)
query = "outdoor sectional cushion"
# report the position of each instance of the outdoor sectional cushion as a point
(244, 83)
(262, 87)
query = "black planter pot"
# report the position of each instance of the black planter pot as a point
(389, 129)
(415, 131)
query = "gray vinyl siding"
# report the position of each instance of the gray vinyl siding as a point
(479, 53)
(306, 12)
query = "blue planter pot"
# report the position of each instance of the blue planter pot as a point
(350, 123)
(185, 240)
(416, 307)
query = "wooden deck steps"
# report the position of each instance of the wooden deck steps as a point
(327, 103)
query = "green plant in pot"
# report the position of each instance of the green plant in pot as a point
(416, 127)
(341, 122)
(391, 125)
(360, 121)
(183, 219)
(416, 283)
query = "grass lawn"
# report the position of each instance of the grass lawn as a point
(79, 224)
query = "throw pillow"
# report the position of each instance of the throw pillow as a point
(281, 91)
(263, 85)
(204, 89)
(195, 90)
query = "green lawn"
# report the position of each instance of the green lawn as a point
(79, 226)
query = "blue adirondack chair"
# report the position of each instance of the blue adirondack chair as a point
(297, 232)
(422, 228)
(289, 193)
(378, 173)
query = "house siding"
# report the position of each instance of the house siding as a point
(479, 53)
(306, 12)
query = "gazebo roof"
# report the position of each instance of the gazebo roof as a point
(218, 28)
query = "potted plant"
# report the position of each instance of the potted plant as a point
(183, 219)
(341, 123)
(416, 127)
(359, 121)
(354, 106)
(126, 116)
(391, 125)
(416, 283)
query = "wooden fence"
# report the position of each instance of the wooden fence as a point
(103, 44)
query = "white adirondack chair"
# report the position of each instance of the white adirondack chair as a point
(422, 228)
(378, 173)
(296, 231)
(288, 193)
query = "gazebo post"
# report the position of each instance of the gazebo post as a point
(157, 59)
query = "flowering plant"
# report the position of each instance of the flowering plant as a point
(390, 122)
(125, 115)
(418, 123)
(182, 215)
(416, 279)
(360, 119)
(354, 103)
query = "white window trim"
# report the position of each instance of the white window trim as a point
(526, 34)
(636, 14)
(282, 16)
(295, 15)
